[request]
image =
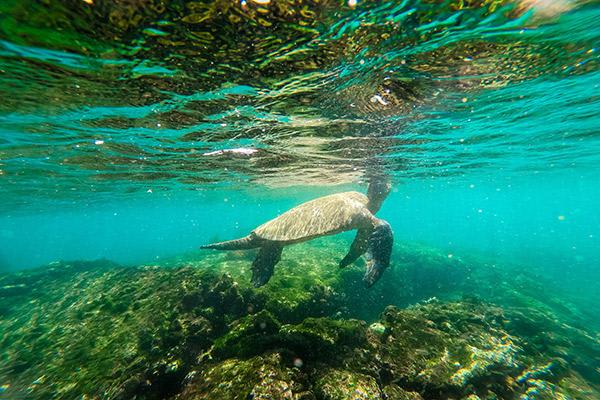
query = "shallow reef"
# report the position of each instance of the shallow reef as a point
(434, 328)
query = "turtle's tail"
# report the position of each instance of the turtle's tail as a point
(245, 243)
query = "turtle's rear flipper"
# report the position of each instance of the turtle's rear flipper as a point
(358, 247)
(264, 263)
(245, 243)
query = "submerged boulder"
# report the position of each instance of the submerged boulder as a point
(203, 333)
(325, 338)
(471, 350)
(248, 336)
(395, 392)
(313, 339)
(261, 377)
(455, 348)
(337, 384)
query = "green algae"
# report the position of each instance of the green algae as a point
(197, 329)
(134, 325)
(395, 392)
(250, 335)
(313, 339)
(261, 377)
(346, 385)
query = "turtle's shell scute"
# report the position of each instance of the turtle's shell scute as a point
(322, 216)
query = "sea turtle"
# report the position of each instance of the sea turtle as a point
(327, 215)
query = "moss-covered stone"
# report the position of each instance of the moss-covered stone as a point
(345, 385)
(135, 327)
(313, 339)
(395, 392)
(468, 349)
(100, 330)
(261, 377)
(318, 338)
(446, 348)
(248, 336)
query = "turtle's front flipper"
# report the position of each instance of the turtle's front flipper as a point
(358, 247)
(379, 250)
(264, 263)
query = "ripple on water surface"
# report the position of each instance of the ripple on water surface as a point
(102, 97)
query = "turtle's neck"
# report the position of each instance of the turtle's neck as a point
(374, 206)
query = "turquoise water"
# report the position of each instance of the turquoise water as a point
(509, 220)
(96, 135)
(118, 121)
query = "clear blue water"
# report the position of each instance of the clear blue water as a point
(503, 118)
(543, 225)
(486, 118)
(92, 169)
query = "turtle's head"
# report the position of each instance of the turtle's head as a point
(379, 251)
(377, 192)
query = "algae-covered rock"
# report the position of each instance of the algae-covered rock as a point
(395, 392)
(465, 349)
(13, 290)
(103, 331)
(99, 329)
(345, 385)
(555, 344)
(318, 338)
(248, 336)
(261, 377)
(447, 347)
(377, 328)
(313, 339)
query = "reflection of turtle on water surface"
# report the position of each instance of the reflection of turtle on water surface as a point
(327, 215)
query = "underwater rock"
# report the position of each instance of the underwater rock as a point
(324, 338)
(377, 328)
(497, 357)
(248, 336)
(313, 339)
(465, 349)
(395, 392)
(224, 295)
(13, 290)
(318, 300)
(557, 343)
(550, 371)
(261, 377)
(337, 384)
(446, 348)
(123, 333)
